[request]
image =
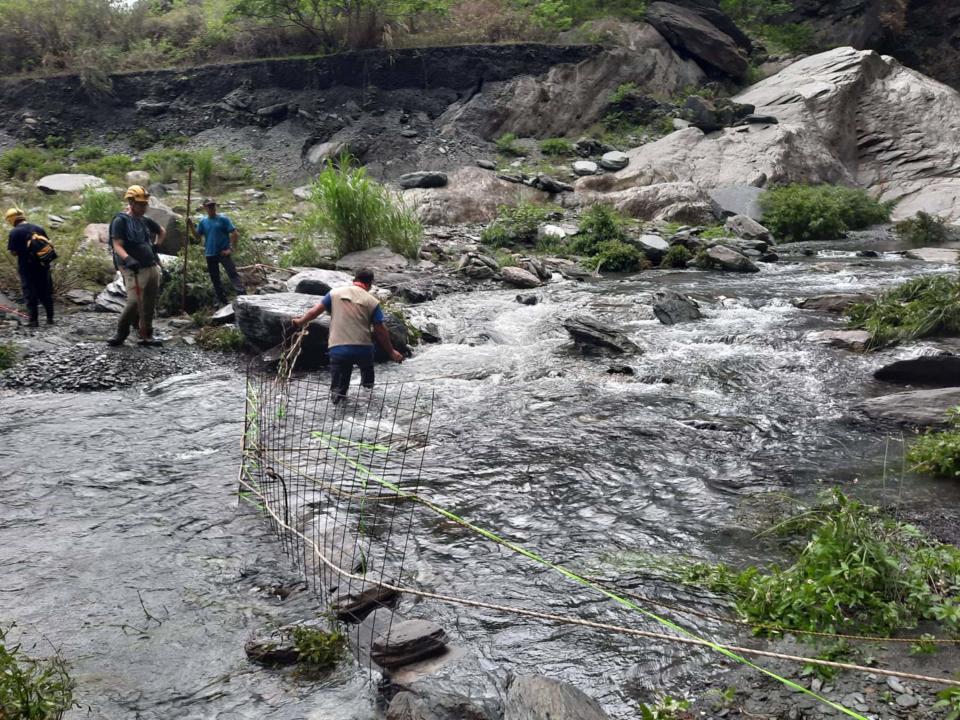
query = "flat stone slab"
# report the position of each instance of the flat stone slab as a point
(377, 258)
(832, 303)
(586, 331)
(934, 255)
(407, 642)
(318, 282)
(69, 182)
(856, 340)
(537, 698)
(916, 408)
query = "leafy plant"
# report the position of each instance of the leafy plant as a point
(222, 339)
(924, 230)
(304, 252)
(599, 225)
(666, 708)
(199, 289)
(714, 232)
(29, 163)
(949, 701)
(616, 256)
(360, 213)
(676, 257)
(99, 206)
(88, 152)
(32, 689)
(507, 145)
(819, 212)
(141, 138)
(204, 169)
(938, 453)
(925, 645)
(318, 650)
(556, 147)
(921, 307)
(8, 355)
(515, 225)
(110, 167)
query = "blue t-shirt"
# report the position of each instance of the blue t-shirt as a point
(216, 234)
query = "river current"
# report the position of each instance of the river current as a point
(122, 542)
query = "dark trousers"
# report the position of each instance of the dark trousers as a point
(213, 267)
(37, 290)
(341, 368)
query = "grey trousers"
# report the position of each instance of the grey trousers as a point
(143, 287)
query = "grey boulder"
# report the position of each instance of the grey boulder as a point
(614, 160)
(423, 179)
(519, 277)
(689, 32)
(727, 258)
(69, 182)
(745, 227)
(537, 698)
(588, 333)
(916, 408)
(931, 371)
(654, 247)
(318, 282)
(671, 307)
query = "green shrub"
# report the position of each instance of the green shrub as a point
(200, 293)
(819, 212)
(506, 144)
(304, 252)
(515, 225)
(676, 257)
(168, 165)
(110, 167)
(921, 307)
(714, 232)
(556, 147)
(8, 355)
(924, 230)
(88, 152)
(204, 169)
(99, 206)
(853, 568)
(54, 141)
(790, 37)
(599, 225)
(616, 256)
(28, 163)
(360, 213)
(220, 339)
(938, 453)
(32, 689)
(318, 650)
(141, 139)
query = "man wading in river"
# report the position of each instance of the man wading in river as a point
(135, 254)
(352, 312)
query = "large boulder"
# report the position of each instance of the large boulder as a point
(832, 303)
(518, 277)
(916, 408)
(590, 333)
(671, 307)
(846, 117)
(170, 222)
(472, 196)
(669, 202)
(317, 281)
(536, 698)
(572, 97)
(929, 371)
(692, 33)
(653, 246)
(423, 179)
(379, 259)
(726, 258)
(738, 200)
(69, 183)
(747, 228)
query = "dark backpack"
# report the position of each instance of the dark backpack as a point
(41, 249)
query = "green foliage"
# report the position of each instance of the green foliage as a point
(99, 206)
(29, 163)
(714, 232)
(751, 13)
(32, 689)
(318, 650)
(507, 145)
(110, 167)
(790, 37)
(142, 138)
(922, 307)
(938, 453)
(221, 339)
(199, 289)
(949, 701)
(666, 708)
(360, 213)
(819, 212)
(515, 225)
(556, 147)
(676, 257)
(853, 568)
(924, 230)
(505, 259)
(616, 256)
(599, 226)
(204, 169)
(304, 252)
(88, 152)
(8, 355)
(54, 141)
(925, 645)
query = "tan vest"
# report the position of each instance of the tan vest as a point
(351, 312)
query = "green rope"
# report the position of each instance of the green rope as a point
(326, 437)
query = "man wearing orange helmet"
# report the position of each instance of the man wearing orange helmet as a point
(133, 238)
(34, 274)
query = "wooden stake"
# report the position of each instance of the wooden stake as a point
(186, 242)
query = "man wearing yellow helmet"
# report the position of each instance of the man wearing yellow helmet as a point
(133, 238)
(34, 275)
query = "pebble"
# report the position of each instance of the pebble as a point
(896, 685)
(907, 701)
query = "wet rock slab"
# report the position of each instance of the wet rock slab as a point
(317, 281)
(931, 371)
(588, 332)
(535, 698)
(855, 340)
(917, 408)
(408, 641)
(832, 303)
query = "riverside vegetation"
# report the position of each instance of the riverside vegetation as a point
(31, 689)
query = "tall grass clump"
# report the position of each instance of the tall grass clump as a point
(556, 147)
(100, 206)
(32, 689)
(938, 453)
(819, 212)
(924, 229)
(360, 213)
(204, 169)
(8, 355)
(922, 307)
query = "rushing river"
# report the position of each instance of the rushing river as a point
(122, 543)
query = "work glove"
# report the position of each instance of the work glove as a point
(131, 264)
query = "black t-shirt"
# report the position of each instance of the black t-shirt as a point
(137, 235)
(17, 243)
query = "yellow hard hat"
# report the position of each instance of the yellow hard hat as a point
(13, 214)
(137, 193)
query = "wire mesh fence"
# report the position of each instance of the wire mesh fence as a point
(334, 475)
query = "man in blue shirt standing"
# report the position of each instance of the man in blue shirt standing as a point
(219, 241)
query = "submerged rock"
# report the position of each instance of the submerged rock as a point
(832, 303)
